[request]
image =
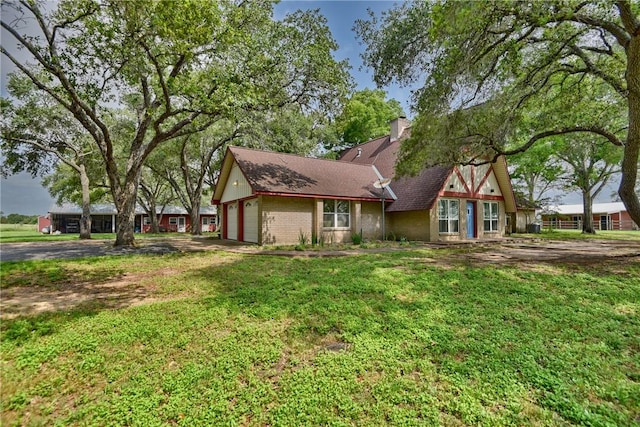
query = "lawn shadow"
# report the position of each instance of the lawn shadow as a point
(323, 296)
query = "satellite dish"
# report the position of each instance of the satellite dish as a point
(382, 183)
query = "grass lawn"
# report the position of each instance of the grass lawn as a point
(415, 337)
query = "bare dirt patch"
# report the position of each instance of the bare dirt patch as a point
(123, 290)
(607, 255)
(29, 300)
(135, 289)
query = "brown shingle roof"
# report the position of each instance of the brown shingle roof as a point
(413, 193)
(380, 152)
(278, 173)
(419, 192)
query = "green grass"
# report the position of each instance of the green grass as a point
(578, 235)
(417, 337)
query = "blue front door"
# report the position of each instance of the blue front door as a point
(471, 220)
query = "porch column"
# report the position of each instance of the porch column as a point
(113, 223)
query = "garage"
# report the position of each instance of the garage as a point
(250, 221)
(232, 221)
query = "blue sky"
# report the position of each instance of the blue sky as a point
(22, 194)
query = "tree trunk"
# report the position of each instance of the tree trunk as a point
(126, 205)
(85, 218)
(587, 218)
(153, 217)
(194, 213)
(632, 147)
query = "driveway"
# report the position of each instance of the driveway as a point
(27, 251)
(500, 250)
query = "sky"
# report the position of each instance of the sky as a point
(25, 195)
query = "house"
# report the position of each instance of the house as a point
(275, 198)
(176, 219)
(606, 216)
(66, 218)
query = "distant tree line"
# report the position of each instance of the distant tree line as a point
(15, 218)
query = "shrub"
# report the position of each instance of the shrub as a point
(356, 238)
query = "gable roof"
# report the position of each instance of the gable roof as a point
(288, 174)
(596, 208)
(413, 192)
(351, 177)
(380, 152)
(421, 191)
(110, 209)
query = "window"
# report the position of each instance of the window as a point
(173, 220)
(205, 220)
(147, 220)
(490, 216)
(448, 216)
(336, 214)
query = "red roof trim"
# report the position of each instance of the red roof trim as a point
(320, 196)
(462, 180)
(469, 196)
(484, 179)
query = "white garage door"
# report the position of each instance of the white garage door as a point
(250, 221)
(232, 221)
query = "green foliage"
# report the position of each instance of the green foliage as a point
(418, 336)
(64, 184)
(497, 77)
(535, 172)
(14, 218)
(366, 115)
(303, 238)
(135, 75)
(356, 238)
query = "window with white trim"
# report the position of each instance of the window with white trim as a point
(147, 220)
(205, 220)
(173, 220)
(448, 215)
(490, 216)
(336, 214)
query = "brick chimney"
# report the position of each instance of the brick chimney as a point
(398, 126)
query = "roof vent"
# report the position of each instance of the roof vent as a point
(359, 152)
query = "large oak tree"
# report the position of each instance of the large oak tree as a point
(182, 65)
(483, 66)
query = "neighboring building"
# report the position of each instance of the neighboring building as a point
(275, 198)
(176, 219)
(606, 216)
(43, 222)
(66, 218)
(524, 217)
